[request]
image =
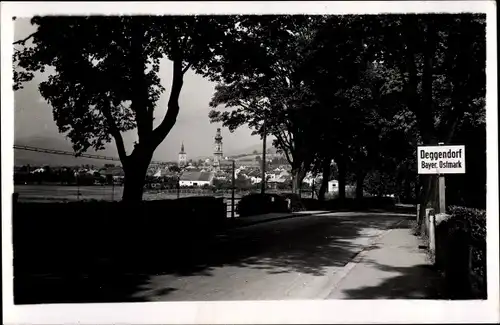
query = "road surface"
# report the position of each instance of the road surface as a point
(296, 258)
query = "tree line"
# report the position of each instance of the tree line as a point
(357, 92)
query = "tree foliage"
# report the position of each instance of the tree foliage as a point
(389, 83)
(106, 81)
(361, 90)
(268, 96)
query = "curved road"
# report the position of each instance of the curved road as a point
(295, 258)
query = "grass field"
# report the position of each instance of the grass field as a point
(55, 193)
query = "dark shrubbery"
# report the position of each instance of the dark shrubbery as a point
(257, 204)
(459, 237)
(254, 204)
(77, 234)
(313, 204)
(296, 203)
(349, 204)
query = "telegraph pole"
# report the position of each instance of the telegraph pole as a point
(263, 182)
(233, 184)
(442, 190)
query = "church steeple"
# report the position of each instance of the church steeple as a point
(182, 156)
(218, 148)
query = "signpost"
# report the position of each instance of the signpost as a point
(441, 160)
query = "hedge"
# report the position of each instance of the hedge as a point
(349, 204)
(77, 234)
(254, 204)
(461, 234)
(296, 203)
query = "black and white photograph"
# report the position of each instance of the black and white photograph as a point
(221, 156)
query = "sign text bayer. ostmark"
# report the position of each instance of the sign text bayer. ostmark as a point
(441, 160)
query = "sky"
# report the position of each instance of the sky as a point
(33, 116)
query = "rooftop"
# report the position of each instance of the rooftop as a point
(197, 176)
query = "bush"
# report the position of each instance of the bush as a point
(77, 234)
(254, 204)
(296, 203)
(463, 232)
(474, 222)
(313, 204)
(360, 204)
(474, 219)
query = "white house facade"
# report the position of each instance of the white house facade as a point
(333, 186)
(189, 179)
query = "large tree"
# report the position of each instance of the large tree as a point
(335, 70)
(431, 77)
(269, 95)
(105, 76)
(441, 59)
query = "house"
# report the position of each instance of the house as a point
(311, 180)
(274, 182)
(116, 173)
(254, 172)
(38, 170)
(333, 186)
(113, 171)
(164, 172)
(255, 180)
(284, 173)
(189, 178)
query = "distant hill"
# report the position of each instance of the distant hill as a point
(23, 157)
(245, 153)
(250, 150)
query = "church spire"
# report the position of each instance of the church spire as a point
(182, 156)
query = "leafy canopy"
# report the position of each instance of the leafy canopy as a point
(105, 69)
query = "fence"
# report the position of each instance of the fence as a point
(231, 207)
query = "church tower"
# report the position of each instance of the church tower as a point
(182, 156)
(218, 148)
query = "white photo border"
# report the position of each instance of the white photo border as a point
(251, 312)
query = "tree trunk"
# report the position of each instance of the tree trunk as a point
(297, 177)
(326, 178)
(360, 179)
(135, 177)
(342, 178)
(407, 187)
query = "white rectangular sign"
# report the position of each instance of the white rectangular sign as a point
(441, 159)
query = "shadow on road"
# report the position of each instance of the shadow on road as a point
(402, 285)
(404, 282)
(307, 245)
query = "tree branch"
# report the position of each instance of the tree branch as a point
(170, 118)
(186, 68)
(24, 40)
(140, 94)
(283, 146)
(122, 154)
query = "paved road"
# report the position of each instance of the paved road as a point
(294, 258)
(297, 258)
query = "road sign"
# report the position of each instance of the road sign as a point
(441, 159)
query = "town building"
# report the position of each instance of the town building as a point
(255, 180)
(333, 186)
(182, 156)
(218, 156)
(196, 179)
